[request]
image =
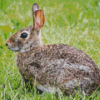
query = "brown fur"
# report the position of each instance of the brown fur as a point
(41, 63)
(58, 66)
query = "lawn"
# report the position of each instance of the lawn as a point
(72, 22)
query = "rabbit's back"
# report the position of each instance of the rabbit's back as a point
(59, 65)
(63, 53)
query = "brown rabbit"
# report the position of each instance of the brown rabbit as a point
(52, 68)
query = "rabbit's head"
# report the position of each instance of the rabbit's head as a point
(30, 37)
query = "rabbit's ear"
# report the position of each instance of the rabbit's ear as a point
(34, 8)
(39, 19)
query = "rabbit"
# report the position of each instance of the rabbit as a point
(52, 68)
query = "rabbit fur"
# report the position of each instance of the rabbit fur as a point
(54, 67)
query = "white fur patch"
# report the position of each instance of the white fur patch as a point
(63, 64)
(46, 89)
(75, 82)
(25, 48)
(14, 49)
(80, 67)
(72, 83)
(76, 66)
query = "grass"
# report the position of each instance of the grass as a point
(74, 22)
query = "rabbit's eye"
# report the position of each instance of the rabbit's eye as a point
(24, 35)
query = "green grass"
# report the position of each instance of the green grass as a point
(72, 22)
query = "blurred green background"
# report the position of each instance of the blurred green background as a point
(72, 22)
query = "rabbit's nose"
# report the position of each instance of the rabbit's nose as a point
(6, 44)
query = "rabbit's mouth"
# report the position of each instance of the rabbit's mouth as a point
(14, 49)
